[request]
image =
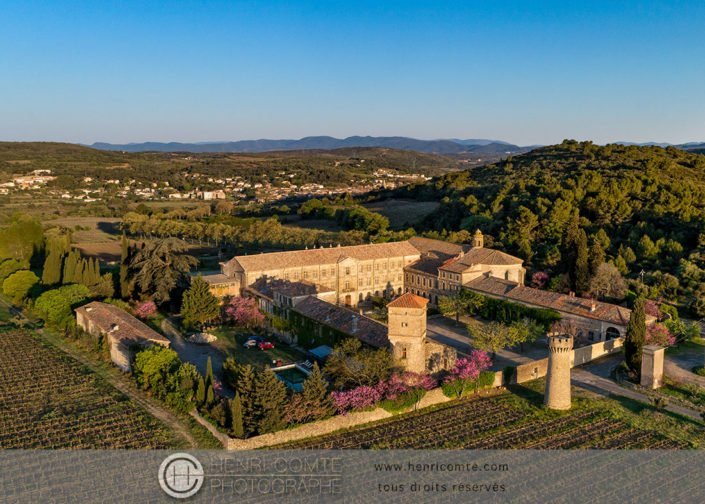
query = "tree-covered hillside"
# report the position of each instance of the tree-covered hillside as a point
(641, 208)
(336, 167)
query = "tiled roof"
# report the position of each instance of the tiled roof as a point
(120, 325)
(480, 255)
(323, 256)
(442, 250)
(553, 300)
(428, 265)
(408, 300)
(218, 279)
(268, 286)
(363, 328)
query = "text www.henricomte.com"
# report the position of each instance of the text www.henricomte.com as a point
(440, 467)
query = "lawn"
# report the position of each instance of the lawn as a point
(230, 342)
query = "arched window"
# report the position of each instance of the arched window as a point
(612, 333)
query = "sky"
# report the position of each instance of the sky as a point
(527, 72)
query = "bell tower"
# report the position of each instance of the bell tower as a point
(478, 241)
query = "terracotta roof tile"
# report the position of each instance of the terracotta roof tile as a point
(408, 300)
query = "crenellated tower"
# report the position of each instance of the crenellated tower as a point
(560, 349)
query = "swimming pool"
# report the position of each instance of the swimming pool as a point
(292, 375)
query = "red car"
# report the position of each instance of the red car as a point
(264, 345)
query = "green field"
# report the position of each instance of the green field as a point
(401, 212)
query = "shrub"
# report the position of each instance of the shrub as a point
(56, 306)
(699, 370)
(18, 284)
(404, 401)
(160, 371)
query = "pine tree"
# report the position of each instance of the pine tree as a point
(246, 390)
(237, 427)
(636, 337)
(581, 273)
(315, 394)
(124, 268)
(51, 274)
(200, 392)
(199, 305)
(270, 399)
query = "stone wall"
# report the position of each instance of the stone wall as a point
(539, 368)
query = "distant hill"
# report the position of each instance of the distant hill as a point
(445, 147)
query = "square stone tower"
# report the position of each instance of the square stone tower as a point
(407, 331)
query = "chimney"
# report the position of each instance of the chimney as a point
(593, 306)
(354, 324)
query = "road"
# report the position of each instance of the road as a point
(152, 407)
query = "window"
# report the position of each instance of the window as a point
(323, 273)
(347, 270)
(403, 353)
(405, 324)
(296, 275)
(286, 276)
(591, 335)
(332, 272)
(347, 284)
(305, 274)
(369, 268)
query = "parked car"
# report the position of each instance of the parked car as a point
(253, 341)
(264, 345)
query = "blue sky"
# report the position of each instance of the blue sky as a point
(523, 71)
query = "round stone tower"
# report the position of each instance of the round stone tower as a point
(557, 395)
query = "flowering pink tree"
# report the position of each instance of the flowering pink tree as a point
(242, 312)
(365, 396)
(656, 334)
(540, 279)
(467, 370)
(652, 308)
(145, 310)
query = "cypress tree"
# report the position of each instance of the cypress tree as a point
(51, 274)
(270, 399)
(246, 390)
(237, 427)
(581, 273)
(70, 265)
(209, 373)
(199, 306)
(315, 394)
(597, 256)
(210, 395)
(124, 268)
(636, 337)
(200, 392)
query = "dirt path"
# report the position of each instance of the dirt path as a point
(153, 408)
